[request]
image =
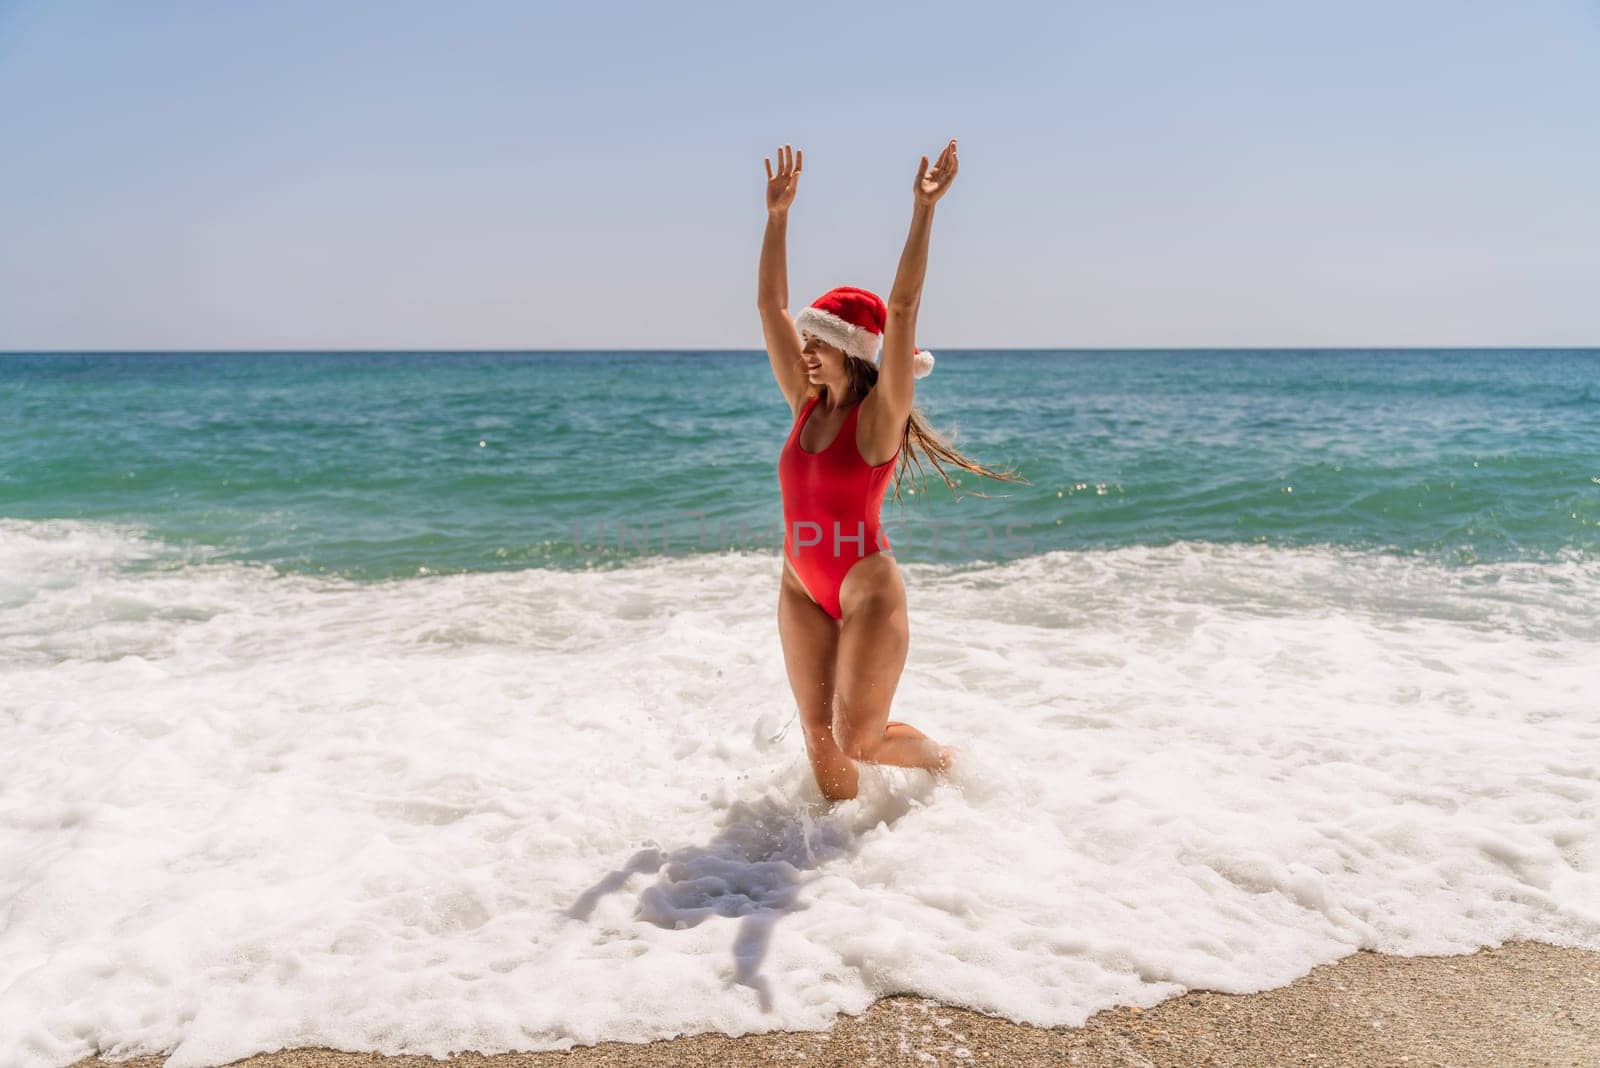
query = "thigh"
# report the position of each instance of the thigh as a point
(873, 642)
(810, 646)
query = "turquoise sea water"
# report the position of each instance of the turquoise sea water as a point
(379, 465)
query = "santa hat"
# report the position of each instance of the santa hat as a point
(852, 319)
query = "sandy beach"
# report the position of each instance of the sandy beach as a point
(1524, 1003)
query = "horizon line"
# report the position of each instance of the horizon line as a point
(711, 350)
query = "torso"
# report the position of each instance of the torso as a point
(827, 485)
(874, 444)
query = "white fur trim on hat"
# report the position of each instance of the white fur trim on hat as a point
(862, 344)
(847, 337)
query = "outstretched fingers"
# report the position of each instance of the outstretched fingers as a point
(783, 180)
(790, 163)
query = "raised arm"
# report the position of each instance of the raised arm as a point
(772, 297)
(895, 380)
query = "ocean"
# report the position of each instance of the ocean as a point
(419, 702)
(390, 465)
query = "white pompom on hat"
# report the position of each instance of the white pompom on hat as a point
(852, 319)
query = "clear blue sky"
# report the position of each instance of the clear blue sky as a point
(531, 175)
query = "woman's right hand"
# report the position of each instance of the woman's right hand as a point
(935, 183)
(782, 185)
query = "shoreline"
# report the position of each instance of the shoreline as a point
(1521, 1003)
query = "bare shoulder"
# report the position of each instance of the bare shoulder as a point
(880, 428)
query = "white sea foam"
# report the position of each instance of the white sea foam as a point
(242, 811)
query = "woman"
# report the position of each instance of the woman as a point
(841, 602)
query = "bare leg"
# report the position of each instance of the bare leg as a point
(873, 642)
(896, 727)
(810, 644)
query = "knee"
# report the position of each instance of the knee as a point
(836, 783)
(819, 738)
(836, 789)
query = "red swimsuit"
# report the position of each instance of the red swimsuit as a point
(831, 501)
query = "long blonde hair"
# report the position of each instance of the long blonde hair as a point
(919, 437)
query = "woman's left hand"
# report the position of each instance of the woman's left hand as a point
(933, 184)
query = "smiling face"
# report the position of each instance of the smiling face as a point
(823, 362)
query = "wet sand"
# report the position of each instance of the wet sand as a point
(1524, 1003)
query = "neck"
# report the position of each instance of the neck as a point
(838, 393)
